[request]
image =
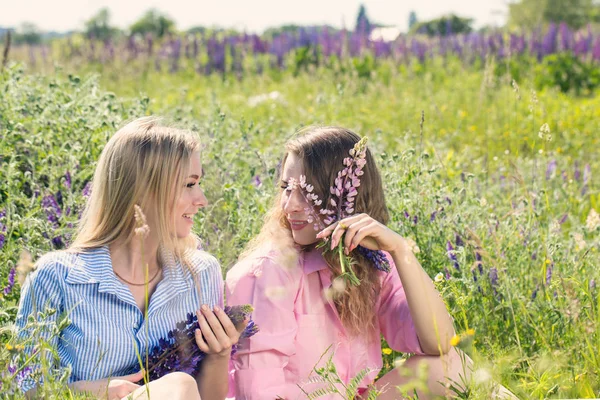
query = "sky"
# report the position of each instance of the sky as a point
(249, 15)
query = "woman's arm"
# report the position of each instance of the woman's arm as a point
(432, 322)
(429, 313)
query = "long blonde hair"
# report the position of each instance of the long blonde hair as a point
(143, 163)
(322, 150)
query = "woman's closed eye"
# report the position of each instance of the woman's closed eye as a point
(192, 184)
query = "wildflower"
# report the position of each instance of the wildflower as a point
(455, 341)
(387, 351)
(142, 229)
(452, 254)
(470, 332)
(52, 209)
(439, 277)
(544, 132)
(535, 291)
(549, 273)
(179, 352)
(87, 190)
(493, 276)
(11, 282)
(515, 87)
(256, 181)
(68, 180)
(593, 220)
(551, 169)
(592, 284)
(578, 238)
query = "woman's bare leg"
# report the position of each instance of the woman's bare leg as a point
(174, 386)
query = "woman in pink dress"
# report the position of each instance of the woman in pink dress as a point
(305, 309)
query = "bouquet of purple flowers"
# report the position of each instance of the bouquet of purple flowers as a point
(343, 195)
(179, 352)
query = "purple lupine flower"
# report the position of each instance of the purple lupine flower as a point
(563, 219)
(550, 169)
(549, 274)
(493, 274)
(577, 173)
(406, 214)
(479, 262)
(447, 273)
(52, 209)
(58, 243)
(587, 174)
(11, 281)
(179, 352)
(432, 216)
(68, 180)
(452, 254)
(458, 240)
(415, 220)
(535, 291)
(2, 240)
(377, 257)
(87, 190)
(256, 181)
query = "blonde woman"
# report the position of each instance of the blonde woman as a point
(101, 281)
(303, 307)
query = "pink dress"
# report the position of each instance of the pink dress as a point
(298, 324)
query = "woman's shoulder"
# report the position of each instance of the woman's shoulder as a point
(267, 260)
(200, 261)
(51, 266)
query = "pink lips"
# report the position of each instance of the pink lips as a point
(297, 224)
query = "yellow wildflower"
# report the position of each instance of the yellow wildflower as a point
(387, 351)
(455, 340)
(471, 332)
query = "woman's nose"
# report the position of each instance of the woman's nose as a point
(295, 202)
(200, 200)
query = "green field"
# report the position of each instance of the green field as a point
(479, 173)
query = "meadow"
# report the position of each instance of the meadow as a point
(495, 180)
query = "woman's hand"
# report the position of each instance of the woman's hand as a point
(217, 334)
(362, 230)
(111, 389)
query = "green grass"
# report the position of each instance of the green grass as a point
(478, 163)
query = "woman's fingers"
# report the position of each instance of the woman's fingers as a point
(207, 333)
(351, 232)
(228, 326)
(133, 377)
(361, 233)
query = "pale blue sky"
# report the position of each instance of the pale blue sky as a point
(252, 15)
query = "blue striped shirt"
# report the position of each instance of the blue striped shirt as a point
(107, 327)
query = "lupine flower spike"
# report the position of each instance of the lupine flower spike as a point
(179, 352)
(341, 205)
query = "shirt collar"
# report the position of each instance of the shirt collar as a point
(95, 266)
(313, 261)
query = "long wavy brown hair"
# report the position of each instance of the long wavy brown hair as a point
(322, 151)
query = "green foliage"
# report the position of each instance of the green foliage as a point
(29, 34)
(444, 26)
(479, 170)
(154, 22)
(569, 73)
(524, 14)
(98, 27)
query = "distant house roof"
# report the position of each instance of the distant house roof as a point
(387, 34)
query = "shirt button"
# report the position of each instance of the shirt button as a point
(136, 325)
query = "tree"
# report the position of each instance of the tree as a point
(153, 22)
(412, 20)
(98, 27)
(444, 26)
(362, 21)
(28, 33)
(525, 14)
